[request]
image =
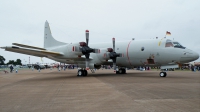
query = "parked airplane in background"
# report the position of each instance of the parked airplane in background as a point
(152, 52)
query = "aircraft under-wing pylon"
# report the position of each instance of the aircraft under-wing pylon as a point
(151, 52)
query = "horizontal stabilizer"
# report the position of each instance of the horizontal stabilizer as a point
(27, 46)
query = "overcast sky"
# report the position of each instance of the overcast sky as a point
(22, 21)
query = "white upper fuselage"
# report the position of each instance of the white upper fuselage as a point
(134, 52)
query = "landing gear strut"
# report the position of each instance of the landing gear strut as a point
(163, 74)
(121, 71)
(82, 72)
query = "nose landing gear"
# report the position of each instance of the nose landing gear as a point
(163, 74)
(121, 71)
(82, 72)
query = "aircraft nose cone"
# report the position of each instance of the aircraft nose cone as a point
(189, 56)
(195, 56)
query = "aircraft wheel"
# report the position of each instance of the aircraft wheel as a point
(80, 73)
(120, 71)
(124, 71)
(85, 72)
(163, 74)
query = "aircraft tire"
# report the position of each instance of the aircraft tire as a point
(124, 71)
(121, 71)
(85, 72)
(80, 73)
(163, 74)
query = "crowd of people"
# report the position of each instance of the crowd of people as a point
(64, 67)
(195, 68)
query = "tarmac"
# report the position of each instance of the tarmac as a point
(103, 91)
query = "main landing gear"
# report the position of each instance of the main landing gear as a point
(121, 71)
(82, 72)
(163, 74)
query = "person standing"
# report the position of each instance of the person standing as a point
(11, 69)
(58, 68)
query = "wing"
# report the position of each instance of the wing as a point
(27, 46)
(33, 52)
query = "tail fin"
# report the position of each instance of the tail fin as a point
(49, 41)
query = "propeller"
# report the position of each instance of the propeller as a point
(87, 36)
(113, 55)
(86, 50)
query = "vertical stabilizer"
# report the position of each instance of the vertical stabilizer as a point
(49, 41)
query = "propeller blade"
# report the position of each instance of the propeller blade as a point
(87, 61)
(113, 40)
(87, 36)
(114, 63)
(114, 66)
(88, 54)
(87, 64)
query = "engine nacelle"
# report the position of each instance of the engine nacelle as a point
(73, 50)
(104, 54)
(79, 49)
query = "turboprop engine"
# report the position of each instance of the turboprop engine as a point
(109, 53)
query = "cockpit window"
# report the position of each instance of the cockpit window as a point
(178, 45)
(169, 43)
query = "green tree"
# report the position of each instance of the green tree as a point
(18, 62)
(2, 59)
(11, 62)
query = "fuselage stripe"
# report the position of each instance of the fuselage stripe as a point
(127, 53)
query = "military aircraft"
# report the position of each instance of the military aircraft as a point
(164, 53)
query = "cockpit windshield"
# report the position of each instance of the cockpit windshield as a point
(178, 45)
(170, 43)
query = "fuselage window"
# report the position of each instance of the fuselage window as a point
(142, 49)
